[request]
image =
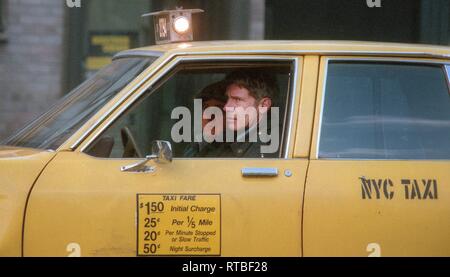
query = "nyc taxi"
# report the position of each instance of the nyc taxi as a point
(362, 166)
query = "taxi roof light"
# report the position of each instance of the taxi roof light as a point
(181, 25)
(173, 25)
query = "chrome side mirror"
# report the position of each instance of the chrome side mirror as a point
(161, 153)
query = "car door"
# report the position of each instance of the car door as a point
(85, 205)
(378, 182)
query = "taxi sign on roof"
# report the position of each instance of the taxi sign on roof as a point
(173, 25)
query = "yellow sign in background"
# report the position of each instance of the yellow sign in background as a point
(179, 225)
(105, 47)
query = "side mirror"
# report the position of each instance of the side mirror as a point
(161, 153)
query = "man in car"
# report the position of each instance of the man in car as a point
(250, 95)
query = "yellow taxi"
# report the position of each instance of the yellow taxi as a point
(361, 166)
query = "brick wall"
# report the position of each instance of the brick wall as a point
(31, 62)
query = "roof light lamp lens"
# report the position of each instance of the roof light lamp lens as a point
(181, 25)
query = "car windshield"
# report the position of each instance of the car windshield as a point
(54, 127)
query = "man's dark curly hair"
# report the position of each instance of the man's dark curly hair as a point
(214, 91)
(259, 83)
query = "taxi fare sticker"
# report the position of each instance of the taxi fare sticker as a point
(179, 225)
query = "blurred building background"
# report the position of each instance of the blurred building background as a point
(47, 48)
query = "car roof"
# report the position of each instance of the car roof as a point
(294, 47)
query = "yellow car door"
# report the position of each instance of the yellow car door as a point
(378, 182)
(85, 204)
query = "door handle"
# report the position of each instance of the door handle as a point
(259, 172)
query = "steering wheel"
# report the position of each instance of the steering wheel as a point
(130, 148)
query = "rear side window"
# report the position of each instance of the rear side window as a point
(376, 110)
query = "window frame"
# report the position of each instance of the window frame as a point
(445, 65)
(447, 70)
(171, 64)
(3, 22)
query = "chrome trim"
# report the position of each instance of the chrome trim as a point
(140, 167)
(293, 94)
(386, 59)
(444, 64)
(288, 173)
(259, 172)
(234, 57)
(144, 170)
(118, 103)
(175, 62)
(248, 159)
(385, 160)
(137, 53)
(447, 70)
(176, 52)
(324, 91)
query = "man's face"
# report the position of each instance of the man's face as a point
(238, 114)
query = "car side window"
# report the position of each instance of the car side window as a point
(206, 110)
(375, 110)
